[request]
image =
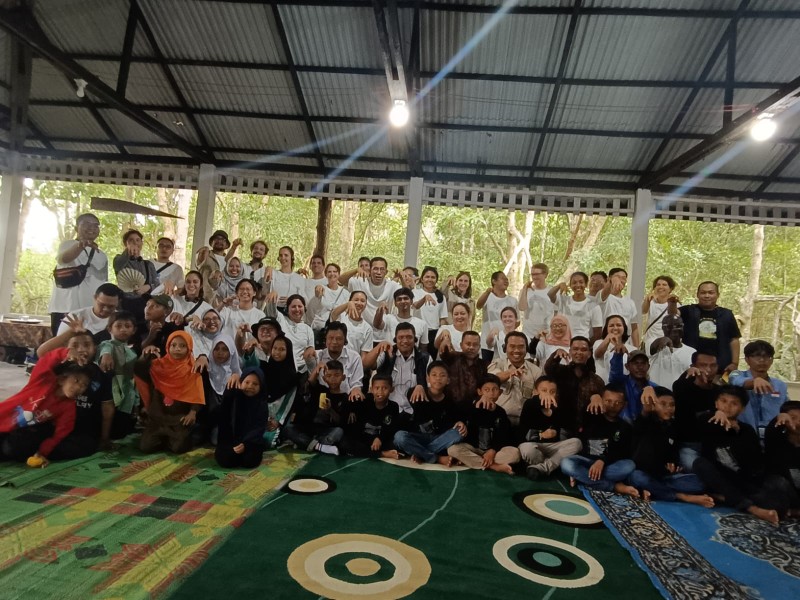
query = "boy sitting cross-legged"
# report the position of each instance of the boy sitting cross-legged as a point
(604, 464)
(371, 424)
(488, 440)
(434, 427)
(655, 452)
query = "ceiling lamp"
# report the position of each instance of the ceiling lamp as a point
(763, 129)
(399, 114)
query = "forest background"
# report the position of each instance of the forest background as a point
(757, 266)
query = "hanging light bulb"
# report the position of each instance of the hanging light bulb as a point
(763, 129)
(399, 114)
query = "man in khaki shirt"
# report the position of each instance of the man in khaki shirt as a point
(516, 374)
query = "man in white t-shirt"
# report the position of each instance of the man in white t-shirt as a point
(316, 277)
(378, 289)
(167, 270)
(255, 268)
(535, 303)
(614, 303)
(387, 321)
(95, 317)
(670, 357)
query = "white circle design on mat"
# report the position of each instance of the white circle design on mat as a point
(307, 565)
(307, 485)
(547, 562)
(564, 509)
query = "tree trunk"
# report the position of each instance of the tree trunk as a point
(574, 227)
(165, 205)
(323, 226)
(350, 210)
(184, 199)
(748, 301)
(595, 228)
(27, 200)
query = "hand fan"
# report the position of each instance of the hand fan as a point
(129, 279)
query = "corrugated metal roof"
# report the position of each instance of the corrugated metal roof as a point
(674, 148)
(5, 57)
(214, 30)
(481, 148)
(128, 130)
(48, 83)
(486, 102)
(106, 71)
(705, 115)
(284, 160)
(346, 138)
(596, 152)
(229, 132)
(73, 123)
(767, 50)
(332, 36)
(147, 85)
(84, 25)
(108, 148)
(336, 94)
(745, 158)
(518, 45)
(238, 89)
(156, 151)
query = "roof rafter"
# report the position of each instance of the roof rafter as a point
(773, 177)
(127, 49)
(23, 27)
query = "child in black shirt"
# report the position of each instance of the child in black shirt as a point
(540, 430)
(371, 424)
(489, 437)
(732, 465)
(782, 447)
(655, 452)
(604, 463)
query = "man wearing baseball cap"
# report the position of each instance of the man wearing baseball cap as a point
(258, 350)
(640, 393)
(156, 329)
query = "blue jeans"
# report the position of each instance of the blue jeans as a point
(665, 488)
(426, 446)
(578, 467)
(688, 452)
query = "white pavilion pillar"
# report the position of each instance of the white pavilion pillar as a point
(414, 224)
(204, 211)
(644, 208)
(10, 208)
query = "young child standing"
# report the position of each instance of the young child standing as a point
(116, 357)
(604, 464)
(318, 425)
(732, 465)
(434, 427)
(222, 373)
(488, 439)
(242, 420)
(655, 452)
(43, 403)
(540, 428)
(371, 424)
(175, 395)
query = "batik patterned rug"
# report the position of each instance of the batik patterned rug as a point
(122, 524)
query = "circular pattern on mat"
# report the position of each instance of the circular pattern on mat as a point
(359, 565)
(309, 485)
(410, 464)
(547, 562)
(559, 508)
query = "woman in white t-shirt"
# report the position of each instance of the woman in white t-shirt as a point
(492, 301)
(449, 336)
(74, 253)
(457, 290)
(430, 305)
(325, 298)
(613, 338)
(584, 315)
(654, 306)
(241, 310)
(283, 282)
(359, 332)
(509, 321)
(189, 306)
(300, 334)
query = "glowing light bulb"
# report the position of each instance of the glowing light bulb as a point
(763, 129)
(399, 114)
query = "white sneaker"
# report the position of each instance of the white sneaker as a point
(327, 449)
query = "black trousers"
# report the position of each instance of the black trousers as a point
(21, 444)
(228, 459)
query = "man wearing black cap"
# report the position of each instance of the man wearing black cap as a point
(156, 329)
(258, 350)
(219, 243)
(639, 390)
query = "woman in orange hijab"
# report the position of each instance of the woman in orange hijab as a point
(175, 395)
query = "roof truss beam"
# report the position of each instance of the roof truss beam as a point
(127, 49)
(21, 72)
(22, 26)
(730, 73)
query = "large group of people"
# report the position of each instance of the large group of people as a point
(379, 362)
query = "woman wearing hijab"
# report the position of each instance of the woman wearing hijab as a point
(221, 373)
(280, 380)
(558, 338)
(242, 419)
(173, 394)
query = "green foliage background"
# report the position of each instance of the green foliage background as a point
(452, 239)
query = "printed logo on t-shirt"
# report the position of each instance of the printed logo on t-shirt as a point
(707, 328)
(598, 447)
(726, 458)
(373, 430)
(387, 420)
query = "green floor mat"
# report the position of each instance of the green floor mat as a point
(122, 524)
(368, 529)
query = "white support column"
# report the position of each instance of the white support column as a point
(204, 211)
(414, 224)
(10, 208)
(644, 209)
